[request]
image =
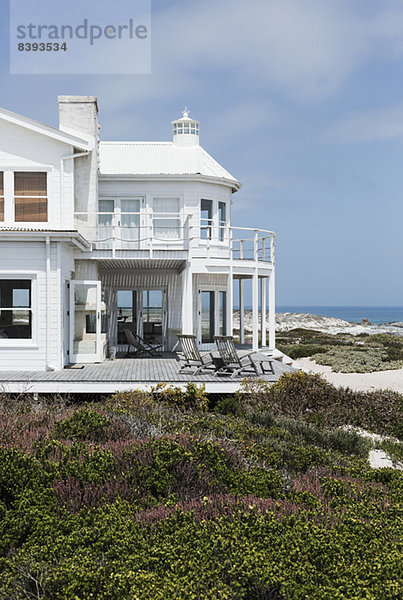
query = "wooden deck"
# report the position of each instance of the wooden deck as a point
(122, 374)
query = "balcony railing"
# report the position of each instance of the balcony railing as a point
(170, 231)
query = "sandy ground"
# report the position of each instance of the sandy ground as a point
(385, 380)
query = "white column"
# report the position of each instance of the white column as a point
(230, 304)
(263, 309)
(255, 310)
(187, 301)
(272, 312)
(241, 313)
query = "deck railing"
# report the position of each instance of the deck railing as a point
(172, 231)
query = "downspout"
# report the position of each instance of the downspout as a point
(47, 239)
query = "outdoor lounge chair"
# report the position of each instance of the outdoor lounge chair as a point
(235, 364)
(193, 358)
(141, 347)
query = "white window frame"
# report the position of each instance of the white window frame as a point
(181, 216)
(27, 342)
(216, 288)
(215, 238)
(9, 195)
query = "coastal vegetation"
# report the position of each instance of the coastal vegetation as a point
(344, 352)
(174, 495)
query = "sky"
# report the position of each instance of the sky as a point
(301, 100)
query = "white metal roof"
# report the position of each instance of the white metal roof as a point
(160, 158)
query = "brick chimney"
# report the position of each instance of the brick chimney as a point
(79, 115)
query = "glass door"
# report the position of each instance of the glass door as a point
(85, 324)
(153, 313)
(207, 317)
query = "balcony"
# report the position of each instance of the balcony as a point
(172, 235)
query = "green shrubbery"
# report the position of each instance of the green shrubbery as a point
(343, 352)
(149, 496)
(360, 360)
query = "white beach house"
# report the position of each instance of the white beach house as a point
(97, 236)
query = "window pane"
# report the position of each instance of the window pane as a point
(30, 191)
(207, 317)
(168, 228)
(166, 205)
(130, 206)
(15, 293)
(106, 206)
(31, 209)
(222, 217)
(15, 324)
(21, 298)
(223, 313)
(30, 184)
(206, 216)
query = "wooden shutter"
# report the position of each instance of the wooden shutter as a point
(30, 192)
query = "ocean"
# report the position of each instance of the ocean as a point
(378, 315)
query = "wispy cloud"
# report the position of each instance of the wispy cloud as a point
(364, 126)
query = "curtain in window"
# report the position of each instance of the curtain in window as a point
(130, 223)
(106, 210)
(166, 219)
(30, 192)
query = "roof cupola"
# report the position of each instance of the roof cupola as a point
(186, 130)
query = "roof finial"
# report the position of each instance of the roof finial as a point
(186, 112)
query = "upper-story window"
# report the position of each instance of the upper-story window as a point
(30, 197)
(206, 219)
(1, 196)
(166, 219)
(222, 220)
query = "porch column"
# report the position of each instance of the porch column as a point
(263, 309)
(187, 301)
(255, 311)
(230, 305)
(241, 313)
(272, 312)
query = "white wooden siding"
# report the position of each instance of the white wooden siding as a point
(29, 258)
(22, 149)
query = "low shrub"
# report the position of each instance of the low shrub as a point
(193, 398)
(83, 424)
(360, 360)
(296, 351)
(310, 397)
(261, 504)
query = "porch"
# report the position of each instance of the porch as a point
(122, 374)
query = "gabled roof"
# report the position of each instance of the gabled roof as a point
(160, 158)
(80, 141)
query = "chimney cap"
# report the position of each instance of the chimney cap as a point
(78, 100)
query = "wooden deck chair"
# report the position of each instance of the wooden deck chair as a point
(193, 358)
(140, 346)
(235, 364)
